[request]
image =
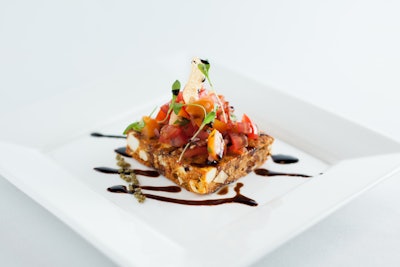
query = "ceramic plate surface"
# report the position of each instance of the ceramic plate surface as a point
(46, 150)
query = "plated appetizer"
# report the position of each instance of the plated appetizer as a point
(195, 139)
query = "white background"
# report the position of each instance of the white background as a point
(341, 55)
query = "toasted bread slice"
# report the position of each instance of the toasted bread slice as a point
(195, 174)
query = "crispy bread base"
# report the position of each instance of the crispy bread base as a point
(194, 174)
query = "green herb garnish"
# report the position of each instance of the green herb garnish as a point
(177, 107)
(176, 86)
(208, 118)
(204, 67)
(182, 122)
(136, 126)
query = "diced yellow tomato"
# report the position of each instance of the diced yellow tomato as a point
(196, 113)
(183, 114)
(220, 126)
(150, 127)
(197, 108)
(194, 109)
(215, 145)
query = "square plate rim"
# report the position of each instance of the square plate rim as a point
(389, 161)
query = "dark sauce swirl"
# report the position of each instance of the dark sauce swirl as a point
(122, 151)
(238, 198)
(284, 159)
(265, 172)
(148, 173)
(107, 135)
(124, 189)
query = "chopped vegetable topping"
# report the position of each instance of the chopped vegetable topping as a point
(198, 121)
(215, 146)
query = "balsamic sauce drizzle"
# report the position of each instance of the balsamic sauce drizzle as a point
(238, 198)
(122, 151)
(284, 159)
(108, 136)
(223, 191)
(124, 189)
(148, 173)
(265, 172)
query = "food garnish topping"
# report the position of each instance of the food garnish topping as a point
(198, 120)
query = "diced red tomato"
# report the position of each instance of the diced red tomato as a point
(242, 127)
(162, 114)
(179, 98)
(254, 129)
(239, 143)
(173, 135)
(203, 93)
(196, 151)
(151, 127)
(189, 129)
(203, 135)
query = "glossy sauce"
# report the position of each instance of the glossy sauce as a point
(265, 172)
(284, 159)
(124, 189)
(148, 173)
(170, 189)
(107, 136)
(223, 191)
(122, 151)
(238, 198)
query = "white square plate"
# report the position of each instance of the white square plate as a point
(47, 152)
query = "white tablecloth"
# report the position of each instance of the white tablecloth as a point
(341, 55)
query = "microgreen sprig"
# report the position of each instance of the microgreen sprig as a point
(204, 67)
(176, 87)
(138, 125)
